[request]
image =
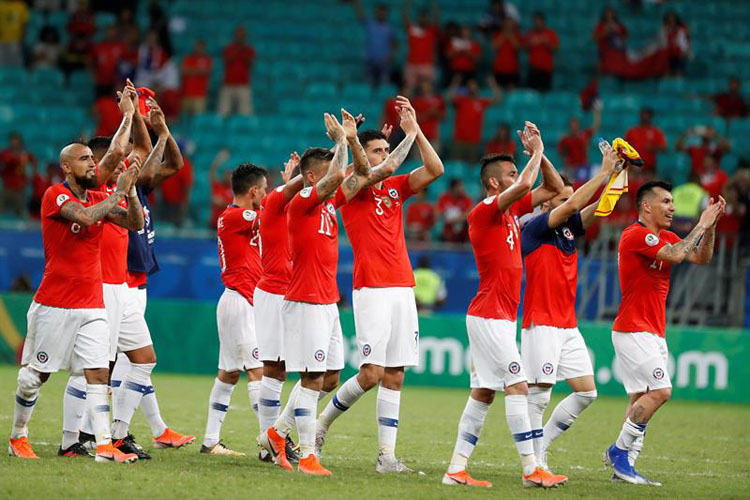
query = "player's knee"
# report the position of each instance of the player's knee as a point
(229, 377)
(662, 395)
(370, 376)
(519, 389)
(539, 397)
(29, 382)
(486, 396)
(97, 376)
(586, 397)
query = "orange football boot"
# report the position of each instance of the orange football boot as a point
(463, 477)
(21, 448)
(310, 465)
(108, 453)
(172, 439)
(544, 479)
(278, 449)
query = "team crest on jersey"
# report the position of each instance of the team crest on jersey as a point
(61, 198)
(249, 215)
(566, 232)
(42, 357)
(75, 228)
(305, 193)
(320, 356)
(514, 368)
(256, 354)
(547, 368)
(658, 373)
(330, 208)
(393, 193)
(652, 239)
(489, 200)
(366, 350)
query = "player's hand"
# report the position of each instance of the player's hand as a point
(349, 123)
(334, 130)
(126, 104)
(221, 156)
(611, 161)
(531, 139)
(127, 179)
(711, 214)
(359, 120)
(408, 122)
(289, 167)
(386, 131)
(156, 119)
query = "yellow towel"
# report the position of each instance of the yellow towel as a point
(617, 185)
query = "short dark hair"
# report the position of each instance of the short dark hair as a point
(455, 181)
(370, 135)
(567, 181)
(649, 188)
(99, 142)
(487, 160)
(314, 155)
(245, 176)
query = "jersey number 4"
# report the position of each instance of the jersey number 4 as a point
(509, 240)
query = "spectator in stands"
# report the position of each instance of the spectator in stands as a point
(675, 37)
(14, 14)
(159, 22)
(13, 163)
(380, 42)
(730, 224)
(498, 12)
(236, 93)
(127, 28)
(175, 192)
(108, 115)
(731, 104)
(740, 182)
(647, 139)
(502, 142)
(40, 183)
(46, 52)
(609, 34)
(470, 108)
(454, 206)
(430, 108)
(82, 21)
(105, 57)
(429, 288)
(422, 38)
(689, 199)
(463, 53)
(151, 59)
(196, 70)
(709, 143)
(420, 217)
(713, 179)
(75, 57)
(541, 42)
(221, 187)
(574, 146)
(506, 66)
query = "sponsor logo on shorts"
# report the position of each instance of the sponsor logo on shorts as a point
(514, 368)
(61, 198)
(652, 239)
(42, 357)
(393, 193)
(256, 354)
(320, 356)
(249, 215)
(75, 228)
(366, 350)
(658, 373)
(547, 368)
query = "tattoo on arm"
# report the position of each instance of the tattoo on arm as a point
(150, 168)
(116, 150)
(89, 215)
(705, 249)
(679, 251)
(361, 163)
(334, 177)
(394, 160)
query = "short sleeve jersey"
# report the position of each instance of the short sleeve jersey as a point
(551, 262)
(496, 243)
(277, 267)
(114, 247)
(644, 280)
(72, 256)
(314, 245)
(239, 245)
(374, 223)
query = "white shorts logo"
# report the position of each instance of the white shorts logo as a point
(61, 198)
(249, 215)
(305, 193)
(652, 239)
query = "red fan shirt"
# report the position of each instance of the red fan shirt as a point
(196, 85)
(421, 42)
(541, 45)
(469, 118)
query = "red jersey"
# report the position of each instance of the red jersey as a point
(420, 214)
(421, 43)
(72, 255)
(13, 168)
(644, 280)
(375, 225)
(541, 45)
(221, 194)
(551, 260)
(506, 56)
(644, 137)
(274, 233)
(469, 117)
(314, 245)
(496, 242)
(106, 56)
(574, 149)
(714, 182)
(463, 54)
(451, 207)
(114, 246)
(429, 112)
(495, 146)
(239, 250)
(196, 85)
(175, 189)
(237, 61)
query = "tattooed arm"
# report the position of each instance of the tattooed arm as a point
(361, 163)
(330, 182)
(398, 155)
(132, 218)
(698, 246)
(532, 142)
(152, 164)
(116, 151)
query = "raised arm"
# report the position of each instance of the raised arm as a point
(292, 183)
(394, 160)
(169, 161)
(361, 163)
(532, 141)
(333, 178)
(132, 218)
(141, 140)
(497, 93)
(117, 147)
(698, 246)
(552, 183)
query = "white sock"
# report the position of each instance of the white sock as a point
(26, 396)
(538, 400)
(565, 413)
(345, 397)
(98, 403)
(133, 388)
(304, 418)
(635, 449)
(387, 408)
(517, 416)
(269, 402)
(629, 433)
(218, 405)
(285, 423)
(74, 409)
(87, 427)
(150, 409)
(469, 430)
(253, 392)
(322, 395)
(119, 372)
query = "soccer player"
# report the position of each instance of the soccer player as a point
(552, 348)
(646, 254)
(312, 339)
(491, 319)
(67, 323)
(385, 312)
(240, 249)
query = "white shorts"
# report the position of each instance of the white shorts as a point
(550, 354)
(238, 347)
(269, 325)
(126, 307)
(312, 337)
(66, 339)
(641, 361)
(495, 361)
(387, 326)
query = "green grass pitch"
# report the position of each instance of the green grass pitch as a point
(696, 449)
